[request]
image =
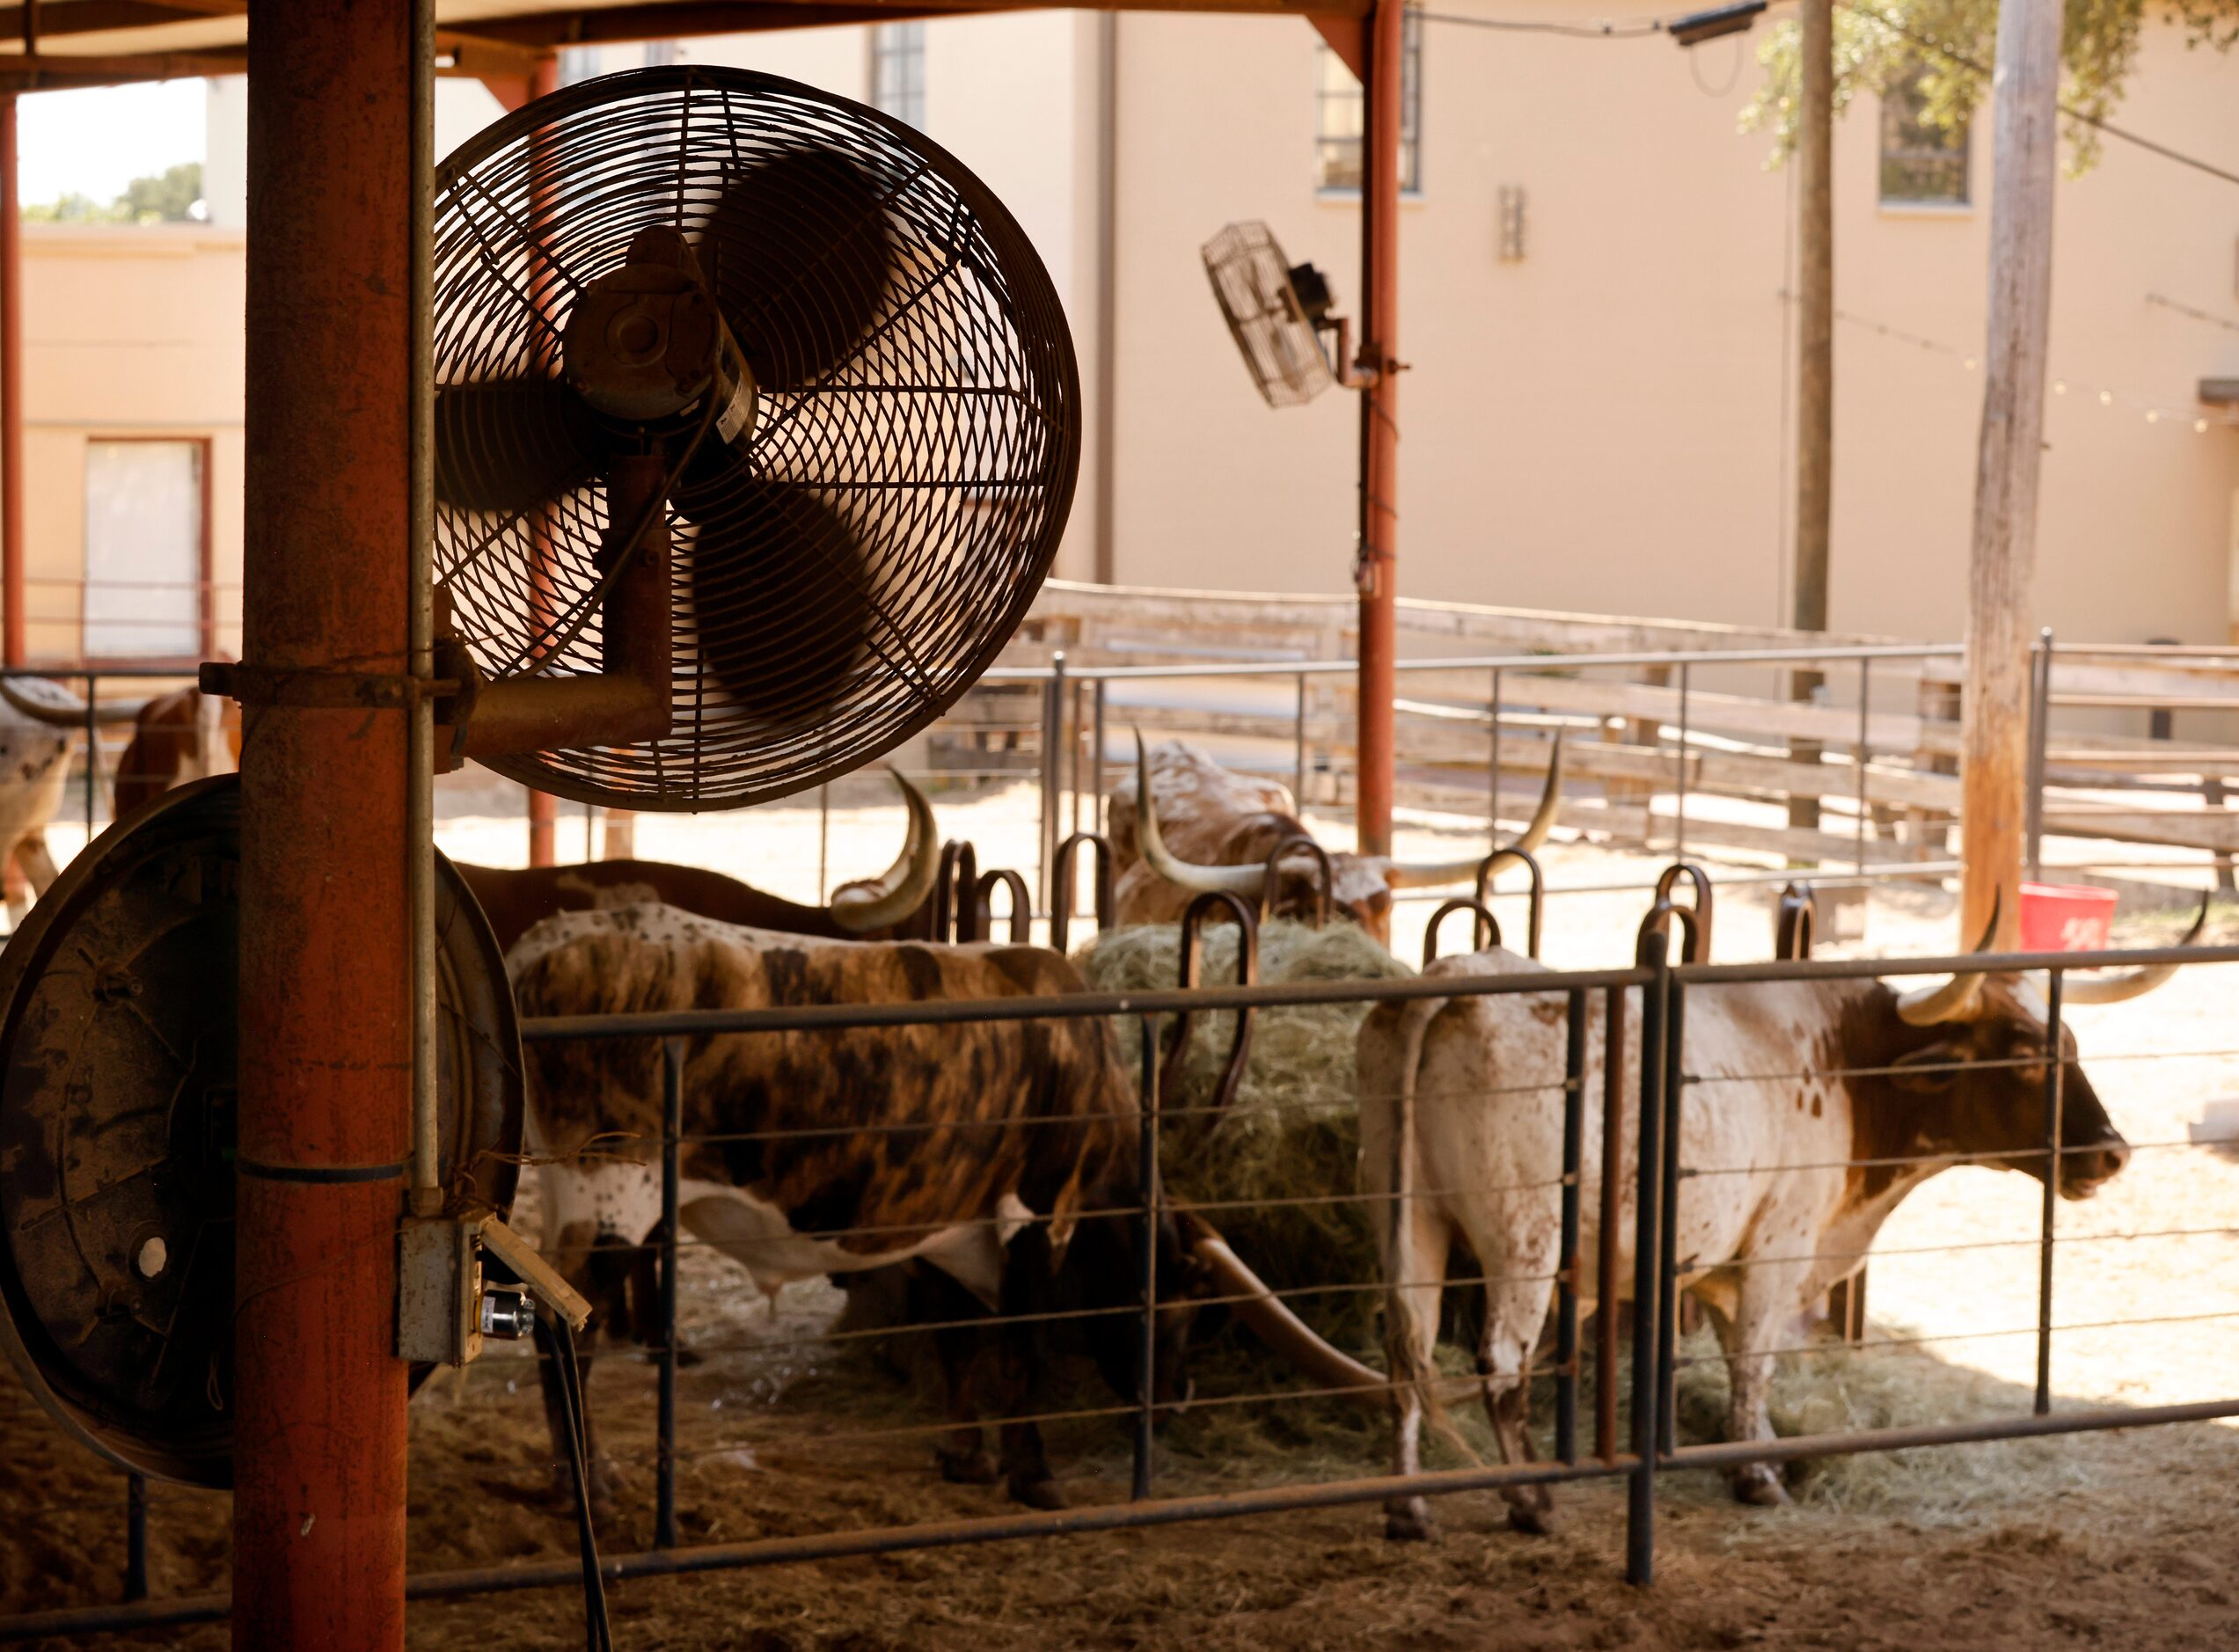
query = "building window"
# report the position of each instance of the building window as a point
(898, 71)
(1341, 110)
(146, 517)
(1922, 164)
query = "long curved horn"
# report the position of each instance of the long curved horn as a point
(1955, 1000)
(105, 715)
(1423, 874)
(2131, 983)
(1245, 880)
(871, 903)
(1274, 1324)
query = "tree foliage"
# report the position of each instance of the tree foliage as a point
(1951, 43)
(168, 197)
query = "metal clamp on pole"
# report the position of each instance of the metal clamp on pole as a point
(317, 688)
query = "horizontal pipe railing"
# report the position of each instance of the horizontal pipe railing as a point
(1541, 663)
(835, 1017)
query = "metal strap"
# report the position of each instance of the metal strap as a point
(326, 1175)
(318, 688)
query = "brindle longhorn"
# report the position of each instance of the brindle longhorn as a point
(1462, 1129)
(1003, 1153)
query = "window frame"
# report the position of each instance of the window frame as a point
(1900, 112)
(1327, 65)
(902, 44)
(206, 623)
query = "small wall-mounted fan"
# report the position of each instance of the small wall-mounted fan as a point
(757, 424)
(1278, 312)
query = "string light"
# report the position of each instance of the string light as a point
(2155, 412)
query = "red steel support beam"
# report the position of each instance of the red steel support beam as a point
(1378, 569)
(12, 639)
(318, 1507)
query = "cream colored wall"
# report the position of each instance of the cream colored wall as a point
(128, 331)
(1601, 426)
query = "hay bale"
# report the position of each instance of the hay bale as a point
(1293, 1131)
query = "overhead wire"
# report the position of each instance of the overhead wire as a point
(2081, 117)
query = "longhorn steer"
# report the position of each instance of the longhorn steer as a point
(1002, 1152)
(180, 736)
(37, 722)
(1208, 828)
(894, 905)
(1462, 1128)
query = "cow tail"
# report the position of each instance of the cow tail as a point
(1402, 1362)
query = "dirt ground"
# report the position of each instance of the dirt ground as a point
(2113, 1540)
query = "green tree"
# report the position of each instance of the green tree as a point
(168, 197)
(71, 209)
(1950, 43)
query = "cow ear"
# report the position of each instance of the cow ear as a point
(1931, 1070)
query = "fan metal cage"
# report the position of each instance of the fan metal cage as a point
(846, 570)
(1251, 279)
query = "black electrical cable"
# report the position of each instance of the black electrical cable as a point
(1638, 29)
(598, 1634)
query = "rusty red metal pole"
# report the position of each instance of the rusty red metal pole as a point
(1378, 570)
(544, 808)
(319, 1508)
(12, 624)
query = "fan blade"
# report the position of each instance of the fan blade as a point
(710, 477)
(780, 597)
(798, 252)
(506, 444)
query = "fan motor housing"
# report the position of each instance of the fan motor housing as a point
(645, 343)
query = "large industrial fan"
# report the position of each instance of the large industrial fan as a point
(1278, 313)
(117, 1163)
(755, 428)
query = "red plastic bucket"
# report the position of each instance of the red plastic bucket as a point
(2065, 917)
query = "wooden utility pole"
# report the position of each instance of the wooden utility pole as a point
(1994, 741)
(1378, 570)
(1815, 357)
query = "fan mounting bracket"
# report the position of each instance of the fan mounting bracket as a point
(631, 699)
